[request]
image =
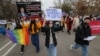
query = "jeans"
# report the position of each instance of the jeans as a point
(52, 50)
(35, 41)
(84, 48)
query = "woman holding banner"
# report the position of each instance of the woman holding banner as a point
(34, 28)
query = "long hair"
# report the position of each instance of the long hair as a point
(53, 25)
(18, 25)
(48, 22)
(33, 22)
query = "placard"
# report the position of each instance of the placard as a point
(53, 14)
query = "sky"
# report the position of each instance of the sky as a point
(47, 3)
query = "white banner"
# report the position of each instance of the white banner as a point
(3, 22)
(53, 14)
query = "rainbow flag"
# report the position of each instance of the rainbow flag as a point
(10, 34)
(20, 36)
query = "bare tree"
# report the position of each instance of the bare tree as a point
(8, 9)
(87, 7)
(81, 7)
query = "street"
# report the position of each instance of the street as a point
(7, 48)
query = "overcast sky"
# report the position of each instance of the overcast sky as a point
(47, 3)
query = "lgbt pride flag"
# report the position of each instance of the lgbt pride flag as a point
(20, 36)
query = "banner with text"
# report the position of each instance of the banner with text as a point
(53, 14)
(30, 9)
(95, 27)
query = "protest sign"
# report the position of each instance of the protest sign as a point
(53, 14)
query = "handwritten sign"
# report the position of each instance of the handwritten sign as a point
(53, 14)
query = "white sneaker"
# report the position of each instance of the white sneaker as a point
(71, 47)
(21, 53)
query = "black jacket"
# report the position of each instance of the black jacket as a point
(47, 33)
(82, 32)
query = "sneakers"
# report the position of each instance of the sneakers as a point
(68, 32)
(37, 51)
(71, 47)
(21, 53)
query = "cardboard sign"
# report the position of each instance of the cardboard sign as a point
(53, 14)
(95, 27)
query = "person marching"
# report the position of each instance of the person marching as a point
(69, 22)
(83, 31)
(62, 23)
(76, 22)
(51, 38)
(25, 25)
(34, 28)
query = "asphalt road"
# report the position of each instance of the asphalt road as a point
(7, 48)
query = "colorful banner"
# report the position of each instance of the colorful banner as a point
(20, 36)
(95, 27)
(30, 9)
(53, 14)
